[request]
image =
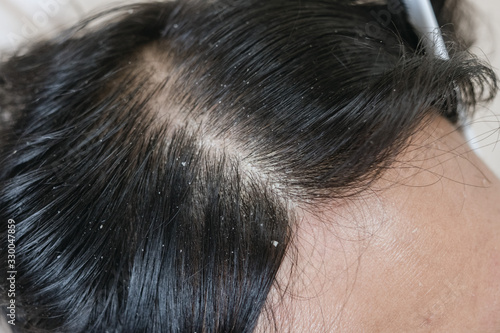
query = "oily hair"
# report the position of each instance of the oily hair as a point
(154, 156)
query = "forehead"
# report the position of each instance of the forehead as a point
(422, 243)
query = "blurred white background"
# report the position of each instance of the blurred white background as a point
(24, 20)
(486, 124)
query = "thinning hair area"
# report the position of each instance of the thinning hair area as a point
(156, 157)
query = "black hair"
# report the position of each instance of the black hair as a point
(153, 156)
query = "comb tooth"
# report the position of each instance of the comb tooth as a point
(421, 16)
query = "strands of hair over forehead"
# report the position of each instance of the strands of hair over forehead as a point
(153, 156)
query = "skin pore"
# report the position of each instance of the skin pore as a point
(418, 252)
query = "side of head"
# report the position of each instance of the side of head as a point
(156, 157)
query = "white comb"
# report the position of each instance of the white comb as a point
(422, 17)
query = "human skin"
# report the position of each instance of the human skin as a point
(419, 251)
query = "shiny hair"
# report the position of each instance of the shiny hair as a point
(154, 156)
